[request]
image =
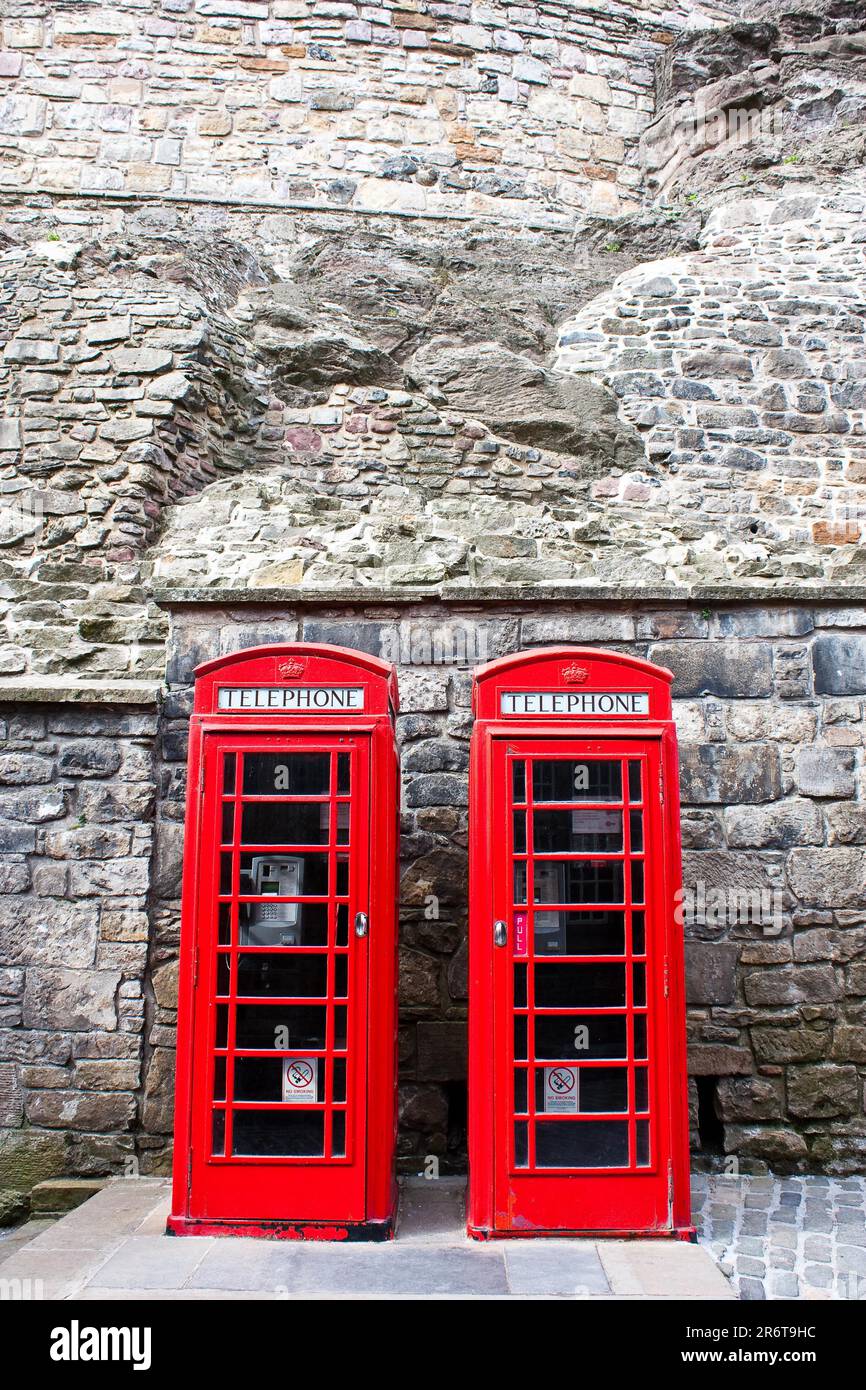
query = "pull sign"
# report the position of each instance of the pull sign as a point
(574, 702)
(300, 1075)
(560, 1091)
(520, 942)
(303, 699)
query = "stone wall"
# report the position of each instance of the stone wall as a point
(742, 367)
(769, 706)
(76, 828)
(346, 321)
(408, 105)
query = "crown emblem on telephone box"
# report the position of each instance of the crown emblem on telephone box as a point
(291, 668)
(574, 674)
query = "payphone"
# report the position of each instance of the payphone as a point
(286, 1076)
(577, 1070)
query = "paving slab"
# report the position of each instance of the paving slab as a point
(154, 1262)
(432, 1212)
(661, 1269)
(555, 1268)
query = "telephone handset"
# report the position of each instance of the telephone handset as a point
(275, 924)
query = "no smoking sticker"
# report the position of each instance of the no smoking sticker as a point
(560, 1091)
(300, 1075)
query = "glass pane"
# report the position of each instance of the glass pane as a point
(519, 819)
(520, 987)
(519, 881)
(578, 881)
(293, 774)
(340, 1020)
(635, 822)
(585, 1090)
(280, 1026)
(561, 933)
(593, 1036)
(344, 763)
(520, 1091)
(641, 1089)
(603, 1089)
(577, 832)
(338, 1084)
(638, 934)
(283, 876)
(637, 881)
(287, 975)
(581, 1144)
(219, 1078)
(279, 1132)
(283, 924)
(342, 875)
(223, 977)
(342, 924)
(224, 929)
(560, 986)
(341, 976)
(643, 1147)
(228, 824)
(285, 823)
(222, 1025)
(634, 781)
(225, 873)
(521, 1144)
(338, 1133)
(639, 985)
(219, 1132)
(518, 783)
(343, 823)
(265, 1078)
(565, 779)
(520, 1037)
(640, 1035)
(229, 760)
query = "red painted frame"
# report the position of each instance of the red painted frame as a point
(289, 1197)
(650, 1202)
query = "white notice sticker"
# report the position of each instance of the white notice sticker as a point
(560, 1090)
(300, 1075)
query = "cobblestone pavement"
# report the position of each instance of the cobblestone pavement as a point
(797, 1237)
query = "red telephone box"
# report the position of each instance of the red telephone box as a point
(286, 1070)
(577, 1063)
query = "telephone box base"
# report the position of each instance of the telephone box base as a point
(283, 1230)
(687, 1233)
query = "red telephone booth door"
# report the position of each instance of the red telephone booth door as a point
(280, 1009)
(581, 1097)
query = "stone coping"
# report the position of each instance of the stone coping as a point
(65, 690)
(564, 220)
(504, 593)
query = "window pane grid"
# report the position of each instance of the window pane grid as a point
(327, 998)
(627, 1135)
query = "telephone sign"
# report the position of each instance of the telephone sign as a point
(286, 1100)
(577, 1072)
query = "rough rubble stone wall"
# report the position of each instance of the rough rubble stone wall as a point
(770, 713)
(777, 97)
(282, 286)
(413, 106)
(742, 367)
(76, 802)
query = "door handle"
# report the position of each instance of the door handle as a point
(500, 933)
(361, 924)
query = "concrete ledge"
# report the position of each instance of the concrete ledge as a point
(532, 594)
(61, 690)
